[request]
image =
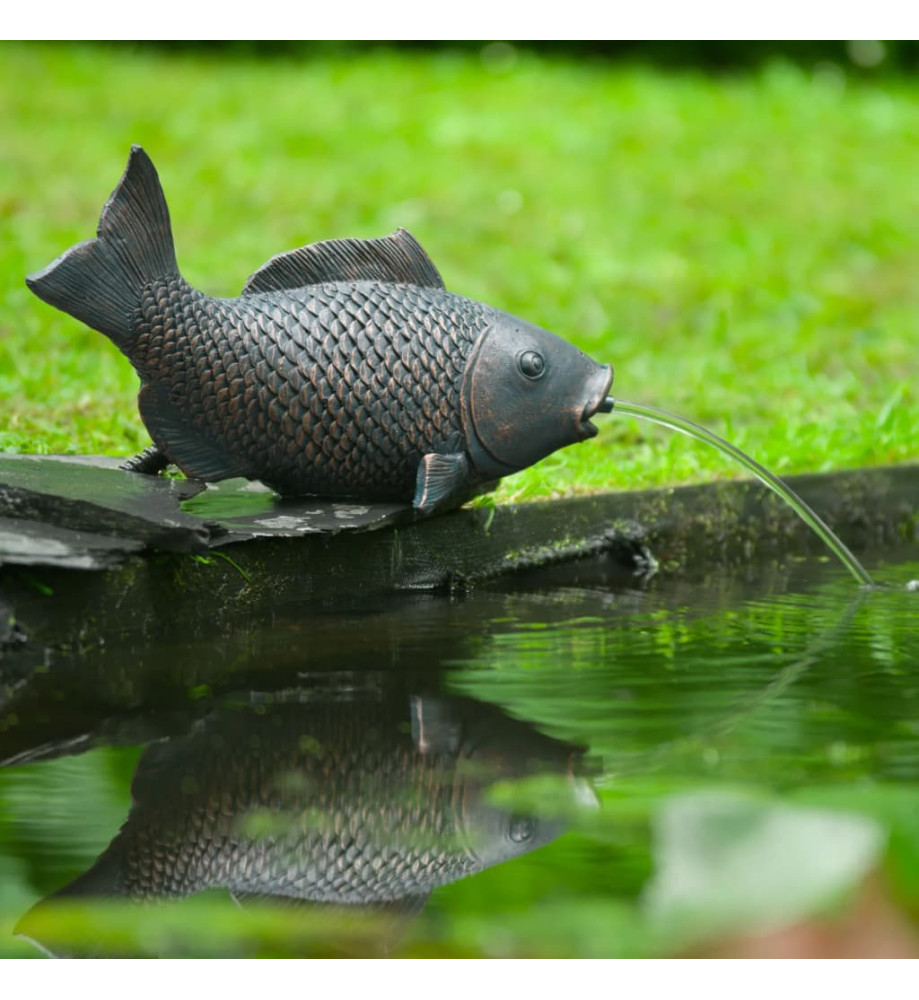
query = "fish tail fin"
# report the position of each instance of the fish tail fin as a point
(42, 924)
(100, 281)
(103, 879)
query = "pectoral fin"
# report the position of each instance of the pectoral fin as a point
(435, 728)
(441, 482)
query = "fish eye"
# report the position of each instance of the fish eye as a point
(531, 364)
(521, 828)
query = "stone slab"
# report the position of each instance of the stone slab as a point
(83, 503)
(85, 500)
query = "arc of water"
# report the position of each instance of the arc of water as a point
(700, 433)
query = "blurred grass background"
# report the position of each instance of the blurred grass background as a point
(741, 244)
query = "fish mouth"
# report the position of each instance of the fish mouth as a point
(598, 387)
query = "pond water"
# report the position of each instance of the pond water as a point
(575, 762)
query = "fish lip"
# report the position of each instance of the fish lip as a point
(586, 427)
(602, 385)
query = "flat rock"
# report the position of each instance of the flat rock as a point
(94, 514)
(237, 510)
(37, 543)
(83, 512)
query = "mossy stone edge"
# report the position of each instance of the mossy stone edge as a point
(689, 530)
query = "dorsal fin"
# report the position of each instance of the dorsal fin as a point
(397, 259)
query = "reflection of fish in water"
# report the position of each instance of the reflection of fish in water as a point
(332, 803)
(345, 368)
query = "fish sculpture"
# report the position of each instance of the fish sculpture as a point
(345, 368)
(364, 806)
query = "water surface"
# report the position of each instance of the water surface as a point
(572, 763)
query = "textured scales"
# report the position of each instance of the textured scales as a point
(310, 390)
(360, 816)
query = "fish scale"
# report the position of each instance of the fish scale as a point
(189, 837)
(356, 414)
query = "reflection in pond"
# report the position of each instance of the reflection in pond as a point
(321, 782)
(368, 802)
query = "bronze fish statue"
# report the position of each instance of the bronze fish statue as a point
(345, 368)
(364, 806)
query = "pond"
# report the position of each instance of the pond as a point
(571, 762)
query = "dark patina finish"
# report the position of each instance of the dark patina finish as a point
(345, 369)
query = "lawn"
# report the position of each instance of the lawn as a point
(743, 249)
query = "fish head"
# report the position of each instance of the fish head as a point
(526, 393)
(507, 752)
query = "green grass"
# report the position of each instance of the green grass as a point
(744, 250)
